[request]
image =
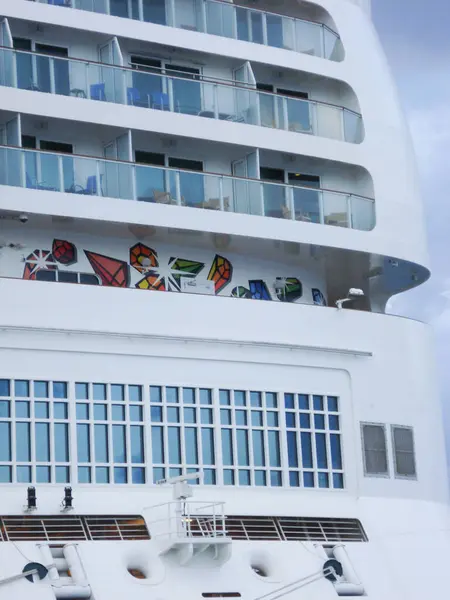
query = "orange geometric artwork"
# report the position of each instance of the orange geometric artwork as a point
(111, 271)
(143, 258)
(37, 261)
(152, 281)
(221, 272)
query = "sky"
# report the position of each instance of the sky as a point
(415, 36)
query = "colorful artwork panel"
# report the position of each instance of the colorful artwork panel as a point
(64, 252)
(37, 261)
(259, 290)
(143, 258)
(182, 267)
(293, 289)
(221, 272)
(152, 281)
(241, 292)
(318, 297)
(112, 272)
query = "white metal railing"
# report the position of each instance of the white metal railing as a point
(71, 527)
(82, 175)
(225, 19)
(181, 520)
(190, 95)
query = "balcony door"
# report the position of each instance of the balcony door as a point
(44, 169)
(46, 71)
(306, 196)
(246, 192)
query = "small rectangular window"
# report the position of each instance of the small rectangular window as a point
(404, 455)
(375, 450)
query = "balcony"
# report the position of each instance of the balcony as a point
(184, 93)
(225, 19)
(89, 176)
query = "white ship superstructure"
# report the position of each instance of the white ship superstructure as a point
(205, 206)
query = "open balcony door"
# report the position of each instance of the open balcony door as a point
(113, 80)
(116, 177)
(7, 64)
(246, 97)
(246, 194)
(13, 169)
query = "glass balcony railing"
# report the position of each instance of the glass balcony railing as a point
(225, 19)
(192, 96)
(80, 175)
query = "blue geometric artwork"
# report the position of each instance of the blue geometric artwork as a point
(318, 297)
(259, 290)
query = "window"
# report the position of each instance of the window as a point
(314, 441)
(110, 433)
(103, 433)
(375, 449)
(67, 277)
(404, 455)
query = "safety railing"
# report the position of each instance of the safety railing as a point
(188, 520)
(191, 95)
(82, 175)
(225, 19)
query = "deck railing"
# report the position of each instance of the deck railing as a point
(225, 19)
(188, 94)
(82, 175)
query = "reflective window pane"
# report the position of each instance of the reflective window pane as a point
(118, 412)
(100, 412)
(155, 394)
(101, 443)
(137, 443)
(119, 444)
(120, 475)
(208, 446)
(117, 392)
(83, 444)
(81, 391)
(5, 474)
(136, 413)
(23, 474)
(61, 442)
(101, 474)
(60, 410)
(41, 410)
(99, 391)
(22, 410)
(174, 445)
(188, 395)
(23, 442)
(138, 475)
(172, 395)
(62, 474)
(135, 393)
(5, 409)
(191, 443)
(224, 397)
(5, 441)
(205, 396)
(84, 475)
(41, 389)
(43, 474)
(21, 389)
(4, 387)
(59, 389)
(157, 445)
(82, 412)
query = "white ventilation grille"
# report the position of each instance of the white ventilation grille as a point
(72, 528)
(291, 529)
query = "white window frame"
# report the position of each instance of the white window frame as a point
(387, 474)
(398, 475)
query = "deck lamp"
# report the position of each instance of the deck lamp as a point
(31, 499)
(353, 293)
(67, 502)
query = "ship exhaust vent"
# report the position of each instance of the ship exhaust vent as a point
(288, 529)
(72, 528)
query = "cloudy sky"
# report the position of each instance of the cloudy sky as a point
(415, 35)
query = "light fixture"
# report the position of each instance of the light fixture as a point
(67, 502)
(31, 499)
(353, 293)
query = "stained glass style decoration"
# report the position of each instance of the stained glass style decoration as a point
(221, 272)
(64, 252)
(293, 290)
(182, 267)
(241, 292)
(143, 258)
(37, 261)
(112, 272)
(152, 281)
(259, 290)
(318, 297)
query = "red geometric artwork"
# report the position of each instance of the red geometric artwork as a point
(111, 271)
(152, 281)
(221, 272)
(37, 261)
(64, 252)
(143, 258)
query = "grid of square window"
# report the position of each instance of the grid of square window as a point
(103, 433)
(182, 432)
(34, 432)
(250, 435)
(313, 441)
(110, 433)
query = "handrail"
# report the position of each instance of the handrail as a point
(208, 27)
(178, 170)
(278, 14)
(197, 77)
(93, 176)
